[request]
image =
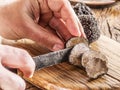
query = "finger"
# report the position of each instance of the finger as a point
(18, 58)
(60, 27)
(54, 32)
(66, 12)
(43, 36)
(10, 81)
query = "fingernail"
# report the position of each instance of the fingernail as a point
(30, 76)
(57, 47)
(84, 36)
(22, 86)
(76, 33)
(79, 34)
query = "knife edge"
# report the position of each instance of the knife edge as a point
(51, 58)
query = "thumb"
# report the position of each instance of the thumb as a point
(10, 81)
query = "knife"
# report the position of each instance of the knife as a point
(52, 58)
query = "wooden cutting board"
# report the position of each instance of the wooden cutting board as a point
(68, 77)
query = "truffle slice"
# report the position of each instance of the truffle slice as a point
(76, 40)
(90, 27)
(94, 63)
(76, 54)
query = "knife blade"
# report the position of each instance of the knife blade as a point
(51, 58)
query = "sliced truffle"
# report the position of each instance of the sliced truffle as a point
(76, 40)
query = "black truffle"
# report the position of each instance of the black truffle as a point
(88, 21)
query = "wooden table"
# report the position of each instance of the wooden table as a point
(66, 76)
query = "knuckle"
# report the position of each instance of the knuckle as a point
(24, 54)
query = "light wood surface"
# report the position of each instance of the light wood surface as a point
(108, 18)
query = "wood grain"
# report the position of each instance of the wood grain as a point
(109, 20)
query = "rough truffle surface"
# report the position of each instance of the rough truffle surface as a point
(88, 22)
(82, 9)
(90, 27)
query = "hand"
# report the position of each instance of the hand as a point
(14, 58)
(48, 22)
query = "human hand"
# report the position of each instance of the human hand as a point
(48, 22)
(14, 58)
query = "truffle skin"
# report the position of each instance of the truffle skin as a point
(94, 63)
(88, 21)
(90, 27)
(82, 9)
